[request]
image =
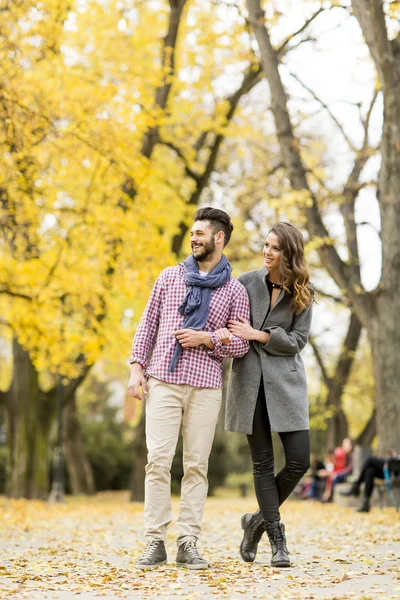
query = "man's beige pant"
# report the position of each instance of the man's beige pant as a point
(167, 407)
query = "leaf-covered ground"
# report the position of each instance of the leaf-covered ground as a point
(86, 549)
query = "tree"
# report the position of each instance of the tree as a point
(60, 205)
(374, 309)
(86, 175)
(335, 382)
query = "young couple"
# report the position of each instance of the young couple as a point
(197, 315)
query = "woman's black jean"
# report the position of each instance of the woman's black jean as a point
(271, 490)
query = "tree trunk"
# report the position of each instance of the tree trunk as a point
(383, 330)
(385, 344)
(367, 435)
(29, 416)
(139, 461)
(79, 469)
(376, 310)
(337, 429)
(336, 383)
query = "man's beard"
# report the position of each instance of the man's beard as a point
(208, 249)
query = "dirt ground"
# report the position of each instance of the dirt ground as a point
(86, 549)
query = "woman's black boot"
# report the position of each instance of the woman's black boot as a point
(277, 538)
(253, 528)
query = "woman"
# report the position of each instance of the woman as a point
(268, 388)
(342, 468)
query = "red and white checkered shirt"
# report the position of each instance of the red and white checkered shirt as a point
(154, 342)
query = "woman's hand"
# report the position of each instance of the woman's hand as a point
(224, 336)
(242, 329)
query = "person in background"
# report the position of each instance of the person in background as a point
(373, 469)
(342, 468)
(311, 484)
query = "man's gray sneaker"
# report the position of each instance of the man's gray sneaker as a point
(188, 556)
(154, 556)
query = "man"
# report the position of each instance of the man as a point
(373, 468)
(177, 362)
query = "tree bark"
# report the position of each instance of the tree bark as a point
(29, 418)
(79, 469)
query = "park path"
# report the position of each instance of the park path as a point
(86, 549)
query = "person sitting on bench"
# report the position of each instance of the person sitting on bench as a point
(372, 468)
(342, 468)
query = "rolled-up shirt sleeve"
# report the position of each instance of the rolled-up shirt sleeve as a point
(146, 332)
(289, 343)
(238, 347)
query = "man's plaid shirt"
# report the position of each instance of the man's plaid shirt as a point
(154, 342)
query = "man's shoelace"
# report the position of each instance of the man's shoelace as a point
(150, 549)
(191, 549)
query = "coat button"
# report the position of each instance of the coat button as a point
(268, 381)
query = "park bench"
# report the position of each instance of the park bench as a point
(383, 494)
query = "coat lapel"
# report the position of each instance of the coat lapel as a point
(260, 302)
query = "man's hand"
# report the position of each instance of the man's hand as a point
(190, 338)
(224, 336)
(136, 381)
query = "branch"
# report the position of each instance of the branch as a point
(326, 107)
(296, 172)
(251, 77)
(188, 170)
(365, 122)
(372, 19)
(15, 294)
(350, 193)
(339, 300)
(346, 357)
(377, 231)
(150, 138)
(327, 379)
(281, 49)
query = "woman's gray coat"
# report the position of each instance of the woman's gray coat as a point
(278, 361)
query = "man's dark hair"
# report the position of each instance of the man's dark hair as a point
(219, 221)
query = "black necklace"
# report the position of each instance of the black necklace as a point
(275, 285)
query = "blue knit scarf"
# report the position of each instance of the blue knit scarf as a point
(196, 304)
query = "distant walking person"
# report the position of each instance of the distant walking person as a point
(177, 361)
(268, 388)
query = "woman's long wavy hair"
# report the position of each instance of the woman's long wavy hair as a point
(293, 266)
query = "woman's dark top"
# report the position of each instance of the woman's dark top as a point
(270, 287)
